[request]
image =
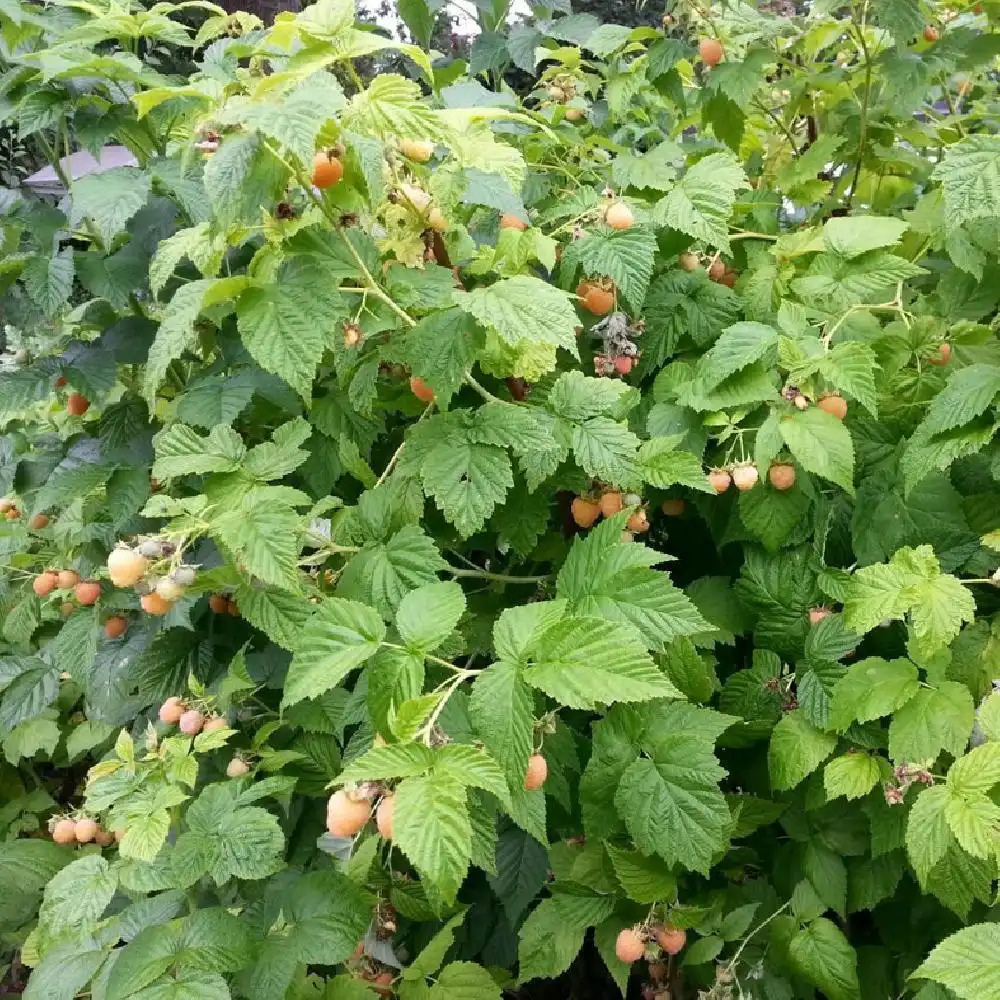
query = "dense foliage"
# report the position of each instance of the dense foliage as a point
(454, 532)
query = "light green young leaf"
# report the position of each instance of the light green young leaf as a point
(797, 748)
(967, 962)
(262, 533)
(853, 775)
(181, 451)
(501, 711)
(429, 614)
(970, 177)
(662, 465)
(624, 256)
(934, 719)
(822, 955)
(78, 895)
(109, 199)
(927, 835)
(854, 235)
(871, 688)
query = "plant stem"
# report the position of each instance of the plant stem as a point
(482, 390)
(482, 574)
(863, 133)
(760, 926)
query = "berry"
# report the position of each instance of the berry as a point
(595, 299)
(169, 589)
(172, 710)
(66, 609)
(417, 150)
(61, 381)
(716, 269)
(689, 261)
(801, 403)
(384, 816)
(77, 405)
(629, 947)
(345, 816)
(215, 723)
(782, 476)
(719, 480)
(671, 939)
(729, 279)
(436, 220)
(64, 832)
(115, 626)
(232, 609)
(183, 576)
(941, 356)
(327, 170)
(673, 507)
(86, 830)
(745, 477)
(191, 722)
(382, 984)
(537, 772)
(12, 514)
(45, 583)
(120, 835)
(5, 505)
(585, 512)
(237, 767)
(40, 521)
(104, 838)
(218, 603)
(573, 114)
(611, 503)
(421, 389)
(623, 365)
(637, 522)
(68, 579)
(512, 222)
(931, 34)
(816, 615)
(87, 592)
(151, 548)
(126, 567)
(153, 604)
(835, 405)
(711, 51)
(619, 216)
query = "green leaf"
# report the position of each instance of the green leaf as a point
(970, 178)
(64, 971)
(110, 198)
(605, 577)
(432, 828)
(624, 256)
(215, 399)
(188, 985)
(501, 711)
(871, 688)
(279, 614)
(287, 325)
(441, 348)
(78, 894)
(934, 719)
(644, 879)
(820, 443)
(381, 574)
(583, 662)
(973, 819)
(553, 933)
(49, 280)
(854, 235)
(701, 202)
(670, 800)
(181, 451)
(196, 243)
(927, 835)
(822, 955)
(853, 775)
(967, 963)
(968, 394)
(797, 748)
(263, 535)
(467, 481)
(662, 465)
(464, 981)
(977, 771)
(340, 636)
(523, 308)
(522, 868)
(429, 614)
(738, 345)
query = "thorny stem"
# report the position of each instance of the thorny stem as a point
(482, 574)
(896, 305)
(759, 927)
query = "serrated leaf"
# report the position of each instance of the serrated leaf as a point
(969, 174)
(432, 828)
(524, 308)
(644, 879)
(181, 450)
(605, 449)
(110, 198)
(429, 614)
(605, 577)
(662, 465)
(927, 835)
(440, 349)
(522, 867)
(624, 256)
(822, 955)
(78, 895)
(934, 719)
(701, 202)
(796, 749)
(968, 394)
(501, 712)
(263, 536)
(820, 443)
(853, 775)
(854, 235)
(340, 636)
(967, 963)
(871, 688)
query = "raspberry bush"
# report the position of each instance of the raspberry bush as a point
(457, 537)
